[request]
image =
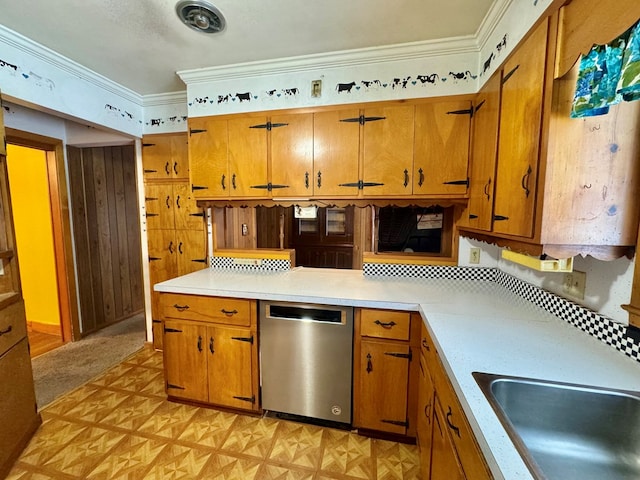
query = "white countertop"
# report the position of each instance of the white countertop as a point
(477, 326)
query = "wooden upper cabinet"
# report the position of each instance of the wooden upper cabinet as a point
(335, 152)
(441, 156)
(165, 156)
(520, 128)
(388, 151)
(486, 116)
(159, 206)
(292, 155)
(248, 156)
(208, 157)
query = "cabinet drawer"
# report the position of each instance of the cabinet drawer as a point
(385, 324)
(455, 420)
(13, 326)
(229, 311)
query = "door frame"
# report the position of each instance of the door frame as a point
(61, 225)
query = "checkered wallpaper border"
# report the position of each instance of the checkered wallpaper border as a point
(593, 323)
(267, 264)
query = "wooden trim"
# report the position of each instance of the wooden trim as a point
(406, 259)
(417, 201)
(61, 225)
(286, 254)
(47, 328)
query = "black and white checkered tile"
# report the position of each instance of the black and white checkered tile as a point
(266, 265)
(599, 326)
(428, 271)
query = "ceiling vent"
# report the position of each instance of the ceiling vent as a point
(200, 15)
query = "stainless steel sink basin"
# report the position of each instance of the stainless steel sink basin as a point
(565, 431)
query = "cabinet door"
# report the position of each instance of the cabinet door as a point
(188, 216)
(159, 202)
(191, 251)
(444, 460)
(518, 145)
(388, 150)
(248, 157)
(162, 255)
(208, 157)
(165, 157)
(185, 360)
(156, 157)
(441, 156)
(484, 148)
(229, 352)
(384, 368)
(426, 398)
(292, 155)
(335, 152)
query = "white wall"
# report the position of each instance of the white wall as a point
(608, 284)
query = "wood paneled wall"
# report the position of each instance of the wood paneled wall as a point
(104, 206)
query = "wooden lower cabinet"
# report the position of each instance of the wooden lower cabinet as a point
(385, 372)
(444, 459)
(444, 436)
(206, 358)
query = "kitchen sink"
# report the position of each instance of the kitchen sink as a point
(567, 431)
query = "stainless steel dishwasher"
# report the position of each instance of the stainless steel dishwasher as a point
(306, 356)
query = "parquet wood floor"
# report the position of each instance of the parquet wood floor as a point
(120, 426)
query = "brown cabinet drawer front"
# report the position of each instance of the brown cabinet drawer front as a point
(385, 324)
(455, 420)
(229, 311)
(17, 402)
(12, 326)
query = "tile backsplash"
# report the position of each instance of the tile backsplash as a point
(621, 337)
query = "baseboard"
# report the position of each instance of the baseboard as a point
(47, 328)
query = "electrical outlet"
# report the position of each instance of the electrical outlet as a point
(245, 230)
(574, 284)
(474, 255)
(316, 88)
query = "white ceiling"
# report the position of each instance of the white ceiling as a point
(140, 44)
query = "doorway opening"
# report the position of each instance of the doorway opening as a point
(37, 183)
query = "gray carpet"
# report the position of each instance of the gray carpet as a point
(65, 368)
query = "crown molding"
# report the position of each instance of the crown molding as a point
(322, 61)
(160, 99)
(491, 20)
(34, 49)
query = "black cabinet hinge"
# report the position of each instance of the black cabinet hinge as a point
(468, 111)
(360, 184)
(478, 107)
(269, 186)
(197, 187)
(472, 216)
(149, 145)
(362, 119)
(400, 355)
(397, 422)
(269, 126)
(153, 259)
(500, 217)
(149, 170)
(457, 182)
(251, 399)
(193, 131)
(172, 330)
(199, 260)
(508, 75)
(244, 339)
(176, 387)
(201, 214)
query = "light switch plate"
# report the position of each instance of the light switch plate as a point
(574, 284)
